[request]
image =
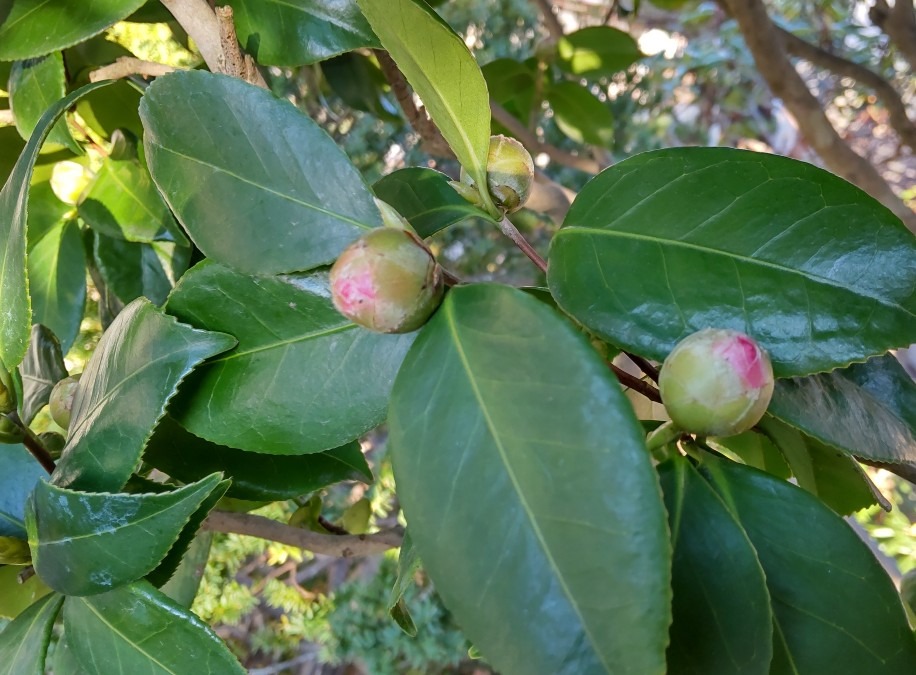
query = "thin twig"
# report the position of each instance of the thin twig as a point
(644, 366)
(128, 65)
(508, 229)
(636, 384)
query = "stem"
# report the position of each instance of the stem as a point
(508, 229)
(33, 445)
(636, 384)
(644, 366)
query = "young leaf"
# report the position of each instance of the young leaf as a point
(581, 116)
(24, 643)
(42, 368)
(132, 374)
(302, 379)
(278, 194)
(835, 608)
(445, 75)
(183, 586)
(528, 490)
(35, 27)
(425, 199)
(408, 564)
(137, 629)
(34, 86)
(279, 33)
(16, 317)
(723, 622)
(597, 51)
(19, 473)
(187, 457)
(672, 241)
(86, 543)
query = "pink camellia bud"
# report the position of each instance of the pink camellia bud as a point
(61, 401)
(716, 383)
(387, 281)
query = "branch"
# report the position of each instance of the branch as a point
(634, 383)
(767, 47)
(899, 23)
(341, 546)
(126, 66)
(509, 229)
(896, 108)
(644, 365)
(33, 445)
(551, 22)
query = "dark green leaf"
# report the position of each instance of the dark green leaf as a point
(115, 108)
(15, 320)
(408, 564)
(35, 85)
(42, 368)
(187, 457)
(443, 72)
(513, 442)
(722, 617)
(580, 115)
(511, 84)
(359, 82)
(137, 629)
(124, 390)
(672, 241)
(283, 33)
(867, 409)
(183, 586)
(16, 597)
(24, 643)
(86, 543)
(132, 270)
(754, 449)
(63, 662)
(36, 27)
(425, 199)
(302, 379)
(19, 473)
(597, 51)
(258, 185)
(835, 608)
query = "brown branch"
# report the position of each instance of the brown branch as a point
(33, 445)
(341, 546)
(766, 46)
(644, 365)
(634, 383)
(896, 108)
(233, 60)
(128, 65)
(508, 229)
(899, 23)
(551, 22)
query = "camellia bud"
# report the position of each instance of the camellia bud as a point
(387, 281)
(61, 403)
(69, 180)
(510, 173)
(7, 392)
(10, 432)
(716, 383)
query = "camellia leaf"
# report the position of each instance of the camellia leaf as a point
(137, 629)
(36, 27)
(359, 82)
(580, 115)
(184, 584)
(187, 457)
(283, 33)
(720, 229)
(445, 75)
(408, 564)
(597, 51)
(867, 410)
(124, 390)
(16, 317)
(723, 622)
(825, 585)
(302, 380)
(425, 199)
(755, 449)
(42, 368)
(34, 86)
(257, 184)
(512, 441)
(19, 473)
(511, 83)
(134, 269)
(86, 543)
(16, 597)
(24, 643)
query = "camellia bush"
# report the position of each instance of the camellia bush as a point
(265, 307)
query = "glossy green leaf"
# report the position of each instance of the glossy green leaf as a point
(63, 662)
(86, 543)
(124, 390)
(187, 457)
(183, 586)
(512, 440)
(867, 410)
(17, 597)
(302, 379)
(408, 564)
(137, 629)
(124, 203)
(720, 229)
(580, 115)
(298, 32)
(754, 449)
(56, 265)
(257, 184)
(835, 608)
(42, 368)
(723, 622)
(16, 318)
(597, 51)
(36, 27)
(132, 270)
(359, 82)
(19, 473)
(35, 85)
(425, 199)
(24, 643)
(511, 84)
(445, 75)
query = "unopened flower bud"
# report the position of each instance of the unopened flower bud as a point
(69, 180)
(387, 281)
(510, 173)
(61, 402)
(7, 392)
(10, 432)
(716, 383)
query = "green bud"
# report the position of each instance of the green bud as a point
(387, 281)
(53, 442)
(716, 383)
(510, 173)
(7, 392)
(10, 432)
(69, 181)
(61, 403)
